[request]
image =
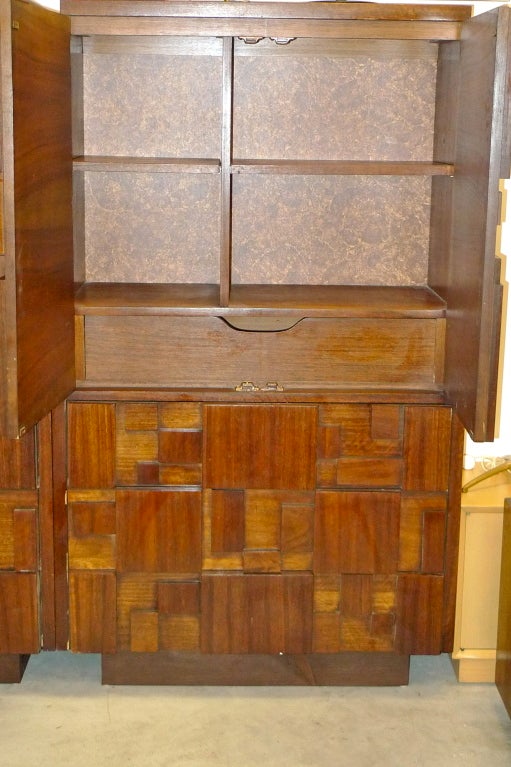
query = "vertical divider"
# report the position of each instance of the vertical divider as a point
(226, 179)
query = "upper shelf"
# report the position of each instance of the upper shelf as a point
(330, 19)
(278, 167)
(261, 300)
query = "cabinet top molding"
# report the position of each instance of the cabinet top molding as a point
(254, 10)
(253, 19)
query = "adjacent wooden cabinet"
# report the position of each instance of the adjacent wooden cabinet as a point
(250, 295)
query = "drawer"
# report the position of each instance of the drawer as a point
(208, 352)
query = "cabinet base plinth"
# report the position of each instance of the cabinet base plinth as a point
(167, 668)
(12, 667)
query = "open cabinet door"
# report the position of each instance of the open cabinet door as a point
(466, 211)
(36, 285)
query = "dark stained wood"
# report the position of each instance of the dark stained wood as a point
(91, 434)
(146, 164)
(166, 668)
(273, 300)
(503, 669)
(12, 668)
(17, 462)
(219, 27)
(38, 331)
(419, 614)
(452, 532)
(60, 524)
(159, 531)
(344, 168)
(313, 354)
(46, 533)
(427, 448)
(19, 613)
(262, 10)
(356, 532)
(470, 283)
(92, 611)
(258, 447)
(256, 613)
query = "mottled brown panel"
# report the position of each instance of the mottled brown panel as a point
(178, 598)
(159, 531)
(256, 613)
(227, 521)
(180, 446)
(144, 631)
(356, 532)
(91, 519)
(120, 91)
(433, 544)
(427, 448)
(317, 106)
(419, 614)
(19, 613)
(25, 540)
(128, 215)
(92, 611)
(369, 472)
(305, 238)
(17, 462)
(179, 633)
(91, 434)
(257, 446)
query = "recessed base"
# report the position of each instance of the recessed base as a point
(12, 667)
(340, 669)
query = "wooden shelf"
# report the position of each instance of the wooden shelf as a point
(146, 164)
(259, 300)
(343, 167)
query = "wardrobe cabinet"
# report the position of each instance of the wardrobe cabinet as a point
(250, 297)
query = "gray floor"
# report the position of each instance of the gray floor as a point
(61, 715)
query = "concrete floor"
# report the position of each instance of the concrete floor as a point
(61, 715)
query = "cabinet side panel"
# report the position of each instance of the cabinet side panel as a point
(471, 279)
(42, 200)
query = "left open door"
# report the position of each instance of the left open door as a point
(36, 265)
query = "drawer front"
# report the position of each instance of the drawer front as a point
(315, 353)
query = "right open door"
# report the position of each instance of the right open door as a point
(465, 271)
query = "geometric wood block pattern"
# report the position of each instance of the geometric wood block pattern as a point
(256, 528)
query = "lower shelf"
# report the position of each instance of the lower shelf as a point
(371, 669)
